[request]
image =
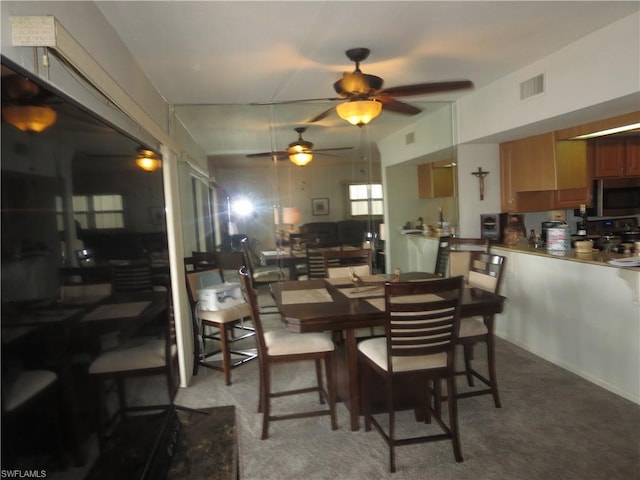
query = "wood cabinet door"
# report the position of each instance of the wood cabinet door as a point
(425, 181)
(507, 193)
(572, 197)
(571, 165)
(633, 156)
(609, 157)
(442, 177)
(533, 163)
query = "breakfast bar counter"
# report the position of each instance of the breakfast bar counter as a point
(582, 315)
(595, 257)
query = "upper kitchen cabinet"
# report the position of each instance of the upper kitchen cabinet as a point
(436, 179)
(616, 156)
(539, 173)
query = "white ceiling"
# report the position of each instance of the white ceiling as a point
(212, 59)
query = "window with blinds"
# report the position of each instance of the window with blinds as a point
(94, 212)
(366, 199)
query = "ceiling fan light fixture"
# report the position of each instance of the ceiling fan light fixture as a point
(301, 158)
(29, 118)
(147, 160)
(359, 112)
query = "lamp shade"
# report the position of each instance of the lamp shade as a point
(382, 233)
(301, 158)
(290, 215)
(29, 118)
(359, 112)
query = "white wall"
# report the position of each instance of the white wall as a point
(470, 157)
(599, 68)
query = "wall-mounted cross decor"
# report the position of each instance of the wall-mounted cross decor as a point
(480, 174)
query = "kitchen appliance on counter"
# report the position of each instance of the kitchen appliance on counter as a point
(505, 228)
(614, 235)
(546, 226)
(491, 225)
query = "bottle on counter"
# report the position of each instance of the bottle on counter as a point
(532, 238)
(581, 230)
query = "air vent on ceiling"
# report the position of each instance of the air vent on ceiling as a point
(533, 86)
(410, 138)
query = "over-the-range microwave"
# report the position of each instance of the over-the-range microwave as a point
(616, 196)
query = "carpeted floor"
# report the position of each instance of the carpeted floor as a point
(553, 426)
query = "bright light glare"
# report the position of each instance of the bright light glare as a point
(242, 208)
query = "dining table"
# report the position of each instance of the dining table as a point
(337, 305)
(285, 257)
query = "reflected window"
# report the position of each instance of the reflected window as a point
(366, 199)
(94, 212)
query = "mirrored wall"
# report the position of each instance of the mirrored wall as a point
(72, 193)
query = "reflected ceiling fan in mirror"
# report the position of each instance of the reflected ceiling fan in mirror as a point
(365, 97)
(24, 104)
(299, 152)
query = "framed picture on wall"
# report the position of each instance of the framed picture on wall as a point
(320, 206)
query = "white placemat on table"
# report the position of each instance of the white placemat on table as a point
(313, 295)
(427, 297)
(116, 310)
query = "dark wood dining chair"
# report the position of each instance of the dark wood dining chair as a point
(422, 323)
(485, 272)
(459, 251)
(260, 275)
(315, 258)
(281, 346)
(135, 357)
(340, 263)
(215, 331)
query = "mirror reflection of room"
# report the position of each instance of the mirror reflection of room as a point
(75, 194)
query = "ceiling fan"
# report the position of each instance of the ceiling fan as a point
(365, 97)
(25, 104)
(299, 152)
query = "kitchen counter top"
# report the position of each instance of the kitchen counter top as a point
(595, 257)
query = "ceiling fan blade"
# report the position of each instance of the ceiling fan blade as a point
(426, 88)
(392, 105)
(285, 102)
(267, 154)
(315, 150)
(321, 116)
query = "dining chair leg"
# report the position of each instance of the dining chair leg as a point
(392, 425)
(261, 370)
(468, 355)
(432, 395)
(491, 360)
(453, 418)
(226, 355)
(331, 389)
(366, 396)
(319, 379)
(266, 402)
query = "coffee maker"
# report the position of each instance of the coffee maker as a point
(504, 228)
